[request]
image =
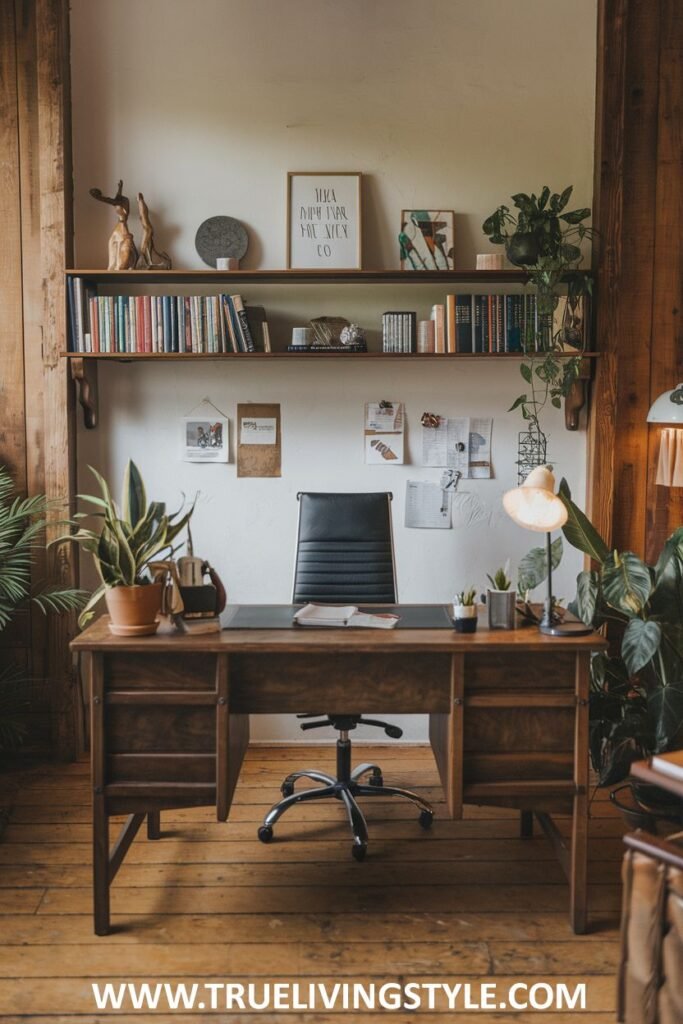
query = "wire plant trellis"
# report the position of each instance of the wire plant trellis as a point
(532, 451)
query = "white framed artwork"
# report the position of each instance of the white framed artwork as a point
(324, 220)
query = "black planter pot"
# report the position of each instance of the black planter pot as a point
(648, 807)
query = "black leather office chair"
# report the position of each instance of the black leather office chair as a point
(344, 556)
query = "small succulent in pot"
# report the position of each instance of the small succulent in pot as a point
(465, 611)
(501, 600)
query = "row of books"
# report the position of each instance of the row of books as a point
(163, 323)
(398, 331)
(505, 323)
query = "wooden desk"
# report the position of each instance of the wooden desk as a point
(169, 716)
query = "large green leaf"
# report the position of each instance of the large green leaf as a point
(667, 596)
(104, 487)
(626, 582)
(134, 499)
(89, 611)
(533, 569)
(579, 530)
(640, 644)
(587, 592)
(665, 704)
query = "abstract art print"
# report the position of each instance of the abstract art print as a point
(426, 240)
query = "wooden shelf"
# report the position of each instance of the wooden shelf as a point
(312, 356)
(207, 276)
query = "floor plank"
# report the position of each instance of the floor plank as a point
(468, 901)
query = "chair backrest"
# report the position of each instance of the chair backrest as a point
(344, 549)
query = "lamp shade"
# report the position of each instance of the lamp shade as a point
(668, 408)
(534, 505)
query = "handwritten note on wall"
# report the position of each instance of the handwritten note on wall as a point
(324, 221)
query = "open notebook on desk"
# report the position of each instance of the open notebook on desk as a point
(281, 616)
(336, 616)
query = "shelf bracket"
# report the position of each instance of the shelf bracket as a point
(84, 373)
(576, 399)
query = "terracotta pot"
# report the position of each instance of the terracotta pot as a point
(134, 610)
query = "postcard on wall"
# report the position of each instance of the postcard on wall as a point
(259, 440)
(384, 433)
(205, 434)
(428, 506)
(324, 228)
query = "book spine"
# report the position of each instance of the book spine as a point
(463, 323)
(188, 323)
(78, 317)
(243, 323)
(478, 324)
(452, 303)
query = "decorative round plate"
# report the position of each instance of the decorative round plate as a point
(221, 236)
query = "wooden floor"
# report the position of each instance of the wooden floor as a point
(467, 901)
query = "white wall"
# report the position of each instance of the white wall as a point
(204, 107)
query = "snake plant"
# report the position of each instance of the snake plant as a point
(131, 536)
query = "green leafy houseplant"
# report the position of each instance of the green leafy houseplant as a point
(466, 598)
(544, 238)
(130, 538)
(22, 529)
(636, 695)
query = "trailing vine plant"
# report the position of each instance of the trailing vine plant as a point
(544, 240)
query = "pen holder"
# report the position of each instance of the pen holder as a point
(501, 606)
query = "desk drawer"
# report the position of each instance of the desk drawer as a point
(343, 683)
(520, 671)
(515, 730)
(130, 729)
(159, 671)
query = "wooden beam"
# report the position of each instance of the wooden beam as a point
(55, 174)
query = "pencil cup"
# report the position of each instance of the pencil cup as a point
(501, 606)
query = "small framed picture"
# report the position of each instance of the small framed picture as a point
(205, 440)
(426, 240)
(324, 220)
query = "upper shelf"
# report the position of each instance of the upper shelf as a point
(207, 276)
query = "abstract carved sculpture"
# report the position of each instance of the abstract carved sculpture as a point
(122, 252)
(150, 258)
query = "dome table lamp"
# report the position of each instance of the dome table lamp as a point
(668, 410)
(535, 506)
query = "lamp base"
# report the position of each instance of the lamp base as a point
(566, 629)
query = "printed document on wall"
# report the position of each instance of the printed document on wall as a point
(428, 506)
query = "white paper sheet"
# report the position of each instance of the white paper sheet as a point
(384, 449)
(428, 507)
(258, 430)
(459, 442)
(384, 434)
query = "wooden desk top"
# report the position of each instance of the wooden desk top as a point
(302, 640)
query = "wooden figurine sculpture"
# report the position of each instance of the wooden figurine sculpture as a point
(150, 258)
(122, 252)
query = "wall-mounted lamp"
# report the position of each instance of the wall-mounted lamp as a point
(668, 410)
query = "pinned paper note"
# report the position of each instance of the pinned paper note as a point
(384, 433)
(428, 506)
(462, 443)
(259, 440)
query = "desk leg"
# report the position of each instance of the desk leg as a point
(100, 818)
(526, 824)
(154, 825)
(100, 866)
(578, 880)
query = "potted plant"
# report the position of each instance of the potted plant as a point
(636, 698)
(500, 599)
(22, 527)
(544, 238)
(465, 611)
(130, 538)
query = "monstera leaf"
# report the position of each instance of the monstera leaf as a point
(579, 530)
(587, 593)
(640, 644)
(665, 705)
(626, 582)
(533, 568)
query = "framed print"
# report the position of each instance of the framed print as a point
(204, 440)
(324, 220)
(426, 240)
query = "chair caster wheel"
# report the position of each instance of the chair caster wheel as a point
(359, 850)
(376, 780)
(265, 833)
(287, 789)
(426, 818)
